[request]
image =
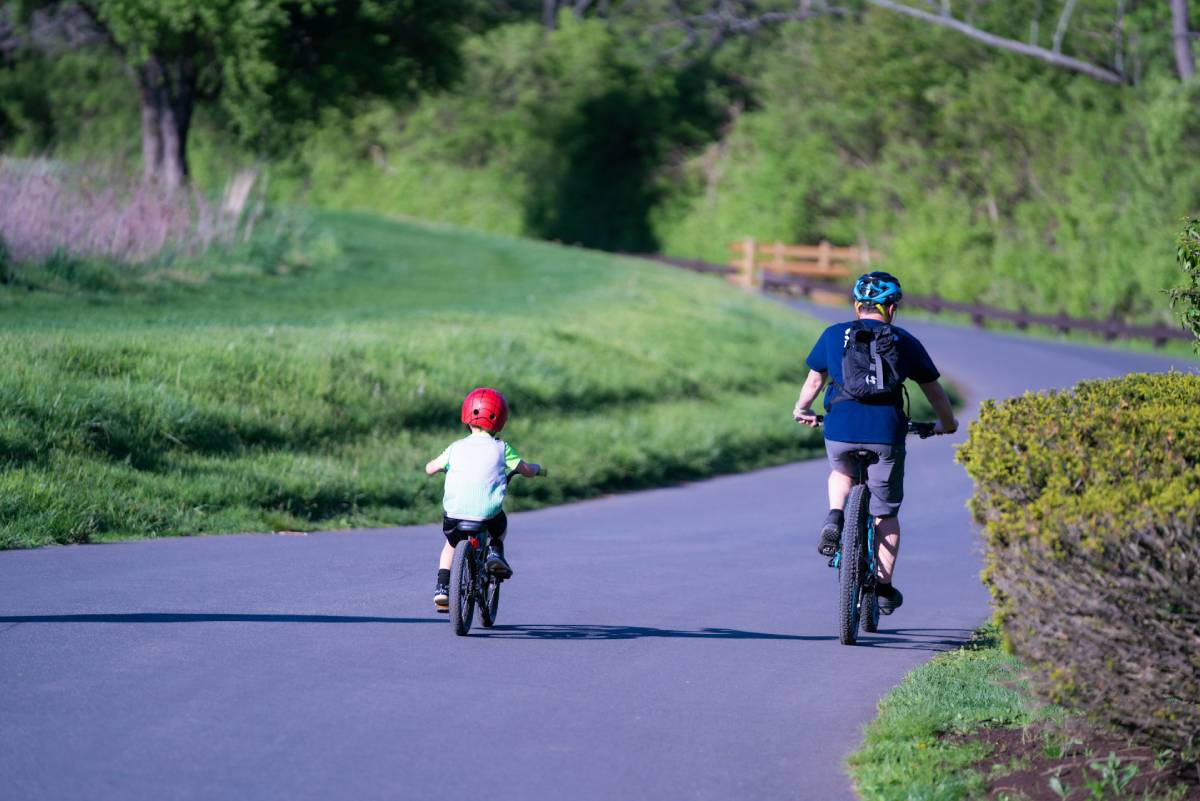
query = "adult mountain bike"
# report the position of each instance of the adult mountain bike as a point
(855, 559)
(471, 586)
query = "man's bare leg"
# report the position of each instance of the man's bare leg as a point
(839, 488)
(887, 532)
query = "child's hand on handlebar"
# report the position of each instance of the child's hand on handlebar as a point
(542, 472)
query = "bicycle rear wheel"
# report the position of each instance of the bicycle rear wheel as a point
(462, 588)
(850, 564)
(870, 611)
(491, 603)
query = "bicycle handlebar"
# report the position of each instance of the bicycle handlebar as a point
(922, 430)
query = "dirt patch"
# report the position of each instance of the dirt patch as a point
(1074, 762)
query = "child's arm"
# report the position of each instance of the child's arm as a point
(530, 470)
(439, 464)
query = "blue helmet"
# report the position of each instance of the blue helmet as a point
(878, 288)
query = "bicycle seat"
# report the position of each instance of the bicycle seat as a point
(865, 456)
(470, 526)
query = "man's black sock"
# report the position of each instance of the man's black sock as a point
(443, 576)
(836, 516)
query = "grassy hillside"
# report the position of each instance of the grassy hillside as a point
(314, 399)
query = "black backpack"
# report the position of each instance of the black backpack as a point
(871, 365)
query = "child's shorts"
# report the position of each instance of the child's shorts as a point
(885, 478)
(496, 526)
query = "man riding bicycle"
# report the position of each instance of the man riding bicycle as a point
(866, 362)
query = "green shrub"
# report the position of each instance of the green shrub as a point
(1089, 500)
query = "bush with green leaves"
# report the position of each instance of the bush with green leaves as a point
(1089, 502)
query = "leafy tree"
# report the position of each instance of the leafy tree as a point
(1022, 28)
(268, 65)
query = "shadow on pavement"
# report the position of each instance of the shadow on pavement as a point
(203, 617)
(589, 632)
(917, 639)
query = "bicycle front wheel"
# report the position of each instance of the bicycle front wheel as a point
(850, 564)
(462, 588)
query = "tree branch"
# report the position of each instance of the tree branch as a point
(1064, 19)
(992, 40)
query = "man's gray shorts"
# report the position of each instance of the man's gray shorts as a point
(885, 478)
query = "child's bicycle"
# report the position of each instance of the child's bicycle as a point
(470, 583)
(855, 559)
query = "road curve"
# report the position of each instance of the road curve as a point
(671, 644)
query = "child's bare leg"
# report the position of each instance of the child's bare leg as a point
(839, 488)
(447, 557)
(887, 530)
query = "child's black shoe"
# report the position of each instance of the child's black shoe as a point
(496, 564)
(441, 597)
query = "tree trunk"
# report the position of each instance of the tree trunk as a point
(549, 14)
(1185, 60)
(167, 99)
(152, 148)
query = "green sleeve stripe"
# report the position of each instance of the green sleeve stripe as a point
(511, 458)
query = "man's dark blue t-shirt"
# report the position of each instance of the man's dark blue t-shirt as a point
(849, 420)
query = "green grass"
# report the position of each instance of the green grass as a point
(313, 400)
(910, 751)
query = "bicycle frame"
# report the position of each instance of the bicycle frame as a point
(835, 562)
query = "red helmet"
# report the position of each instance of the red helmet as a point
(485, 408)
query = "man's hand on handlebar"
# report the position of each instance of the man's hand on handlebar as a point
(806, 417)
(939, 428)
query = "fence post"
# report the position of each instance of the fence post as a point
(748, 257)
(777, 262)
(823, 255)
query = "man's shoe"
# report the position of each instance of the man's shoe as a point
(890, 598)
(441, 598)
(496, 565)
(831, 535)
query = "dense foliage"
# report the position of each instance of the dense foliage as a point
(1089, 501)
(978, 176)
(976, 173)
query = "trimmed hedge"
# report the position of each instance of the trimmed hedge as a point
(1090, 502)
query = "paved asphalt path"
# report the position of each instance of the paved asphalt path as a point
(672, 644)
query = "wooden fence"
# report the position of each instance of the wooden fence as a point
(768, 280)
(823, 261)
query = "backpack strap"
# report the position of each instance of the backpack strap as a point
(877, 361)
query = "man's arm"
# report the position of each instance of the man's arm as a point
(940, 402)
(813, 385)
(434, 467)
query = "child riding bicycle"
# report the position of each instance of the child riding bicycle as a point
(477, 469)
(866, 362)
